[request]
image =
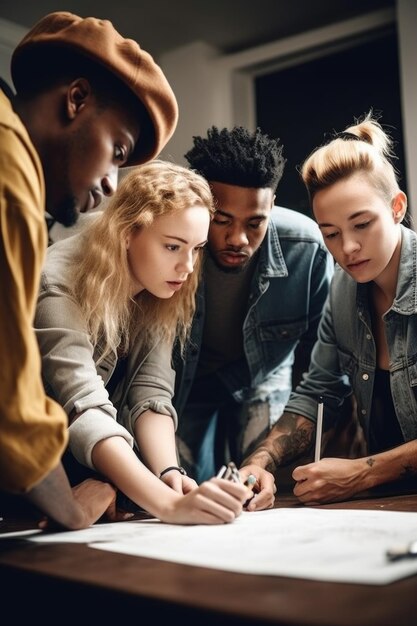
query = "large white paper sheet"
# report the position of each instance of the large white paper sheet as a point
(318, 544)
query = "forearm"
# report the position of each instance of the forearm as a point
(53, 497)
(116, 460)
(396, 464)
(289, 439)
(155, 437)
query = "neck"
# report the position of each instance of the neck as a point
(385, 285)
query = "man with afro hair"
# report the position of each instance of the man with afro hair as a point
(265, 279)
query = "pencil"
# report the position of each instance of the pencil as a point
(319, 429)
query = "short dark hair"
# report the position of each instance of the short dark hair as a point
(238, 157)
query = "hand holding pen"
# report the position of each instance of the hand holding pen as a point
(230, 472)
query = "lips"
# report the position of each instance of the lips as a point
(93, 200)
(233, 258)
(357, 265)
(175, 284)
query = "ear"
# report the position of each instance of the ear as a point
(273, 201)
(399, 207)
(79, 93)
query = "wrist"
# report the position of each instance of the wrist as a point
(173, 468)
(263, 459)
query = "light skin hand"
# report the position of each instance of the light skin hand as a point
(329, 480)
(332, 480)
(264, 489)
(215, 501)
(179, 482)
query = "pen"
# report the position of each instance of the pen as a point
(319, 429)
(402, 551)
(231, 473)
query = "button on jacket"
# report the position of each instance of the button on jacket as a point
(344, 357)
(288, 291)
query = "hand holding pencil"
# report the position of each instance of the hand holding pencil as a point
(259, 481)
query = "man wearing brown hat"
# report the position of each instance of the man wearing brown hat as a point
(88, 101)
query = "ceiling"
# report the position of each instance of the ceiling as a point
(230, 25)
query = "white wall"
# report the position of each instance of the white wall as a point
(10, 35)
(219, 89)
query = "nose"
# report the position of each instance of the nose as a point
(186, 265)
(236, 237)
(350, 245)
(109, 182)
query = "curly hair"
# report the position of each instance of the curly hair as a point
(101, 280)
(238, 157)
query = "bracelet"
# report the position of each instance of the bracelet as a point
(181, 470)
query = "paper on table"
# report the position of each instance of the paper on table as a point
(318, 544)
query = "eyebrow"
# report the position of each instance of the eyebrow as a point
(183, 240)
(259, 216)
(351, 217)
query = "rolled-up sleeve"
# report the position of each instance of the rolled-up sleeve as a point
(152, 386)
(70, 374)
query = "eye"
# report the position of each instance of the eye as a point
(120, 154)
(362, 225)
(330, 235)
(220, 220)
(172, 247)
(255, 225)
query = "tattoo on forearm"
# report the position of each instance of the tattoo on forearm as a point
(288, 440)
(370, 461)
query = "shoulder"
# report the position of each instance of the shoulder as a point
(292, 225)
(60, 259)
(21, 175)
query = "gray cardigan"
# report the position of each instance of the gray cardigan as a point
(74, 379)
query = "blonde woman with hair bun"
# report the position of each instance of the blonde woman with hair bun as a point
(367, 339)
(113, 298)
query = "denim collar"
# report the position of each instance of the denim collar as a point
(271, 258)
(406, 297)
(405, 302)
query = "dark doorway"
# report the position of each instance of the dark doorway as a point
(304, 104)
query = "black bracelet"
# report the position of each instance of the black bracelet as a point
(181, 470)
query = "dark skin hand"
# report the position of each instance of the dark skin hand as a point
(72, 509)
(291, 437)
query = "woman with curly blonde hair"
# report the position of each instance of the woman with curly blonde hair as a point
(113, 299)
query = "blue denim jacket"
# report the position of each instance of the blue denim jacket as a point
(344, 357)
(288, 292)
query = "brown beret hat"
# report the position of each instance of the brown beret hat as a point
(100, 41)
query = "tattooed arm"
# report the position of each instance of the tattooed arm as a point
(290, 438)
(332, 480)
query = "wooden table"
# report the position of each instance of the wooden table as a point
(63, 584)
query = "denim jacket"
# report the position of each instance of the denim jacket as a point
(344, 357)
(288, 291)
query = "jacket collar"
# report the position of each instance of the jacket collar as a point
(405, 302)
(406, 297)
(271, 258)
